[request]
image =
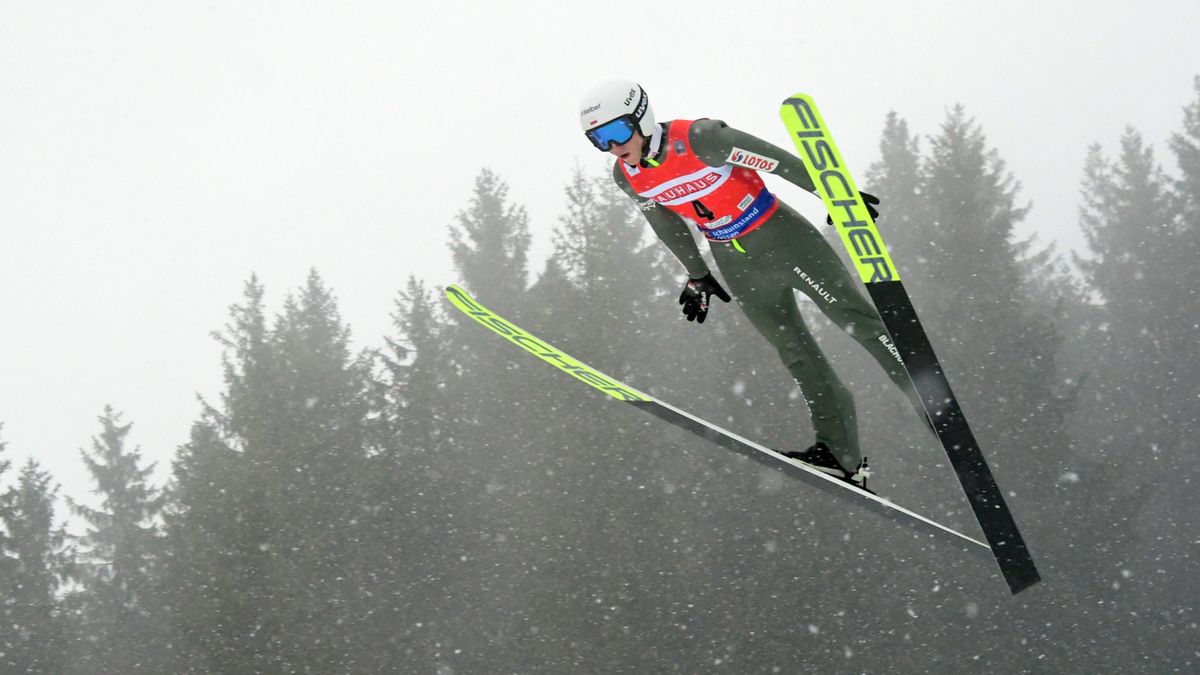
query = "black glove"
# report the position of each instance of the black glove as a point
(695, 295)
(869, 200)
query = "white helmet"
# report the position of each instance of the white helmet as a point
(616, 99)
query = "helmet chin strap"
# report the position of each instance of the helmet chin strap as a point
(651, 145)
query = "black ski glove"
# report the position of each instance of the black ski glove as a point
(869, 200)
(695, 295)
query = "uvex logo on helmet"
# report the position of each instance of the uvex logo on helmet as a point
(630, 95)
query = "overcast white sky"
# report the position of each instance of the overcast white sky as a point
(154, 154)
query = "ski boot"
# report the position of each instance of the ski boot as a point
(821, 458)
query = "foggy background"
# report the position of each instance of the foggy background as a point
(153, 156)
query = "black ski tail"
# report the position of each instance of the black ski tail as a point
(987, 501)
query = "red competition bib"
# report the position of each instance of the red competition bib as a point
(724, 201)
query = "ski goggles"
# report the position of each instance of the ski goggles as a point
(616, 132)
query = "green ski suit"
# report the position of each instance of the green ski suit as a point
(762, 268)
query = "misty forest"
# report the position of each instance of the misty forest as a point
(440, 502)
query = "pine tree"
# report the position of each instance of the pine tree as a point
(998, 344)
(308, 460)
(1140, 225)
(212, 573)
(1185, 145)
(897, 180)
(217, 575)
(490, 241)
(490, 248)
(986, 298)
(417, 366)
(605, 270)
(35, 628)
(414, 486)
(119, 556)
(972, 282)
(1182, 298)
(599, 302)
(1130, 228)
(1172, 510)
(265, 525)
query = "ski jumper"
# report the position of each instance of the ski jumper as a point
(704, 174)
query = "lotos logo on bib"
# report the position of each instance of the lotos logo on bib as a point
(750, 160)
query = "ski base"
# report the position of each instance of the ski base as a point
(841, 489)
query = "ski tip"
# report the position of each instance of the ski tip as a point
(463, 300)
(459, 296)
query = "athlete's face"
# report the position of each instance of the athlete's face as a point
(630, 151)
